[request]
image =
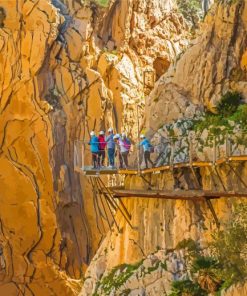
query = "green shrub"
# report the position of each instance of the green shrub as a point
(229, 103)
(103, 3)
(191, 10)
(240, 116)
(186, 287)
(117, 277)
(229, 109)
(211, 122)
(229, 246)
(206, 272)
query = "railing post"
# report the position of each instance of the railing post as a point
(190, 150)
(172, 155)
(82, 148)
(214, 150)
(75, 156)
(227, 146)
(138, 144)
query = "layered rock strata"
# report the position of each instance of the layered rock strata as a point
(63, 74)
(213, 65)
(217, 56)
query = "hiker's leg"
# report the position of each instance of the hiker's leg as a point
(98, 158)
(120, 160)
(126, 159)
(146, 158)
(103, 157)
(94, 160)
(149, 159)
(111, 155)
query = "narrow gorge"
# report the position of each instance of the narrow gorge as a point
(171, 71)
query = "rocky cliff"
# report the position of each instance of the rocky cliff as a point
(217, 56)
(69, 67)
(66, 68)
(144, 260)
(42, 230)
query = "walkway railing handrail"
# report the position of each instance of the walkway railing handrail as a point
(178, 149)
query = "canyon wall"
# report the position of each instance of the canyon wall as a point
(217, 56)
(143, 260)
(32, 246)
(67, 68)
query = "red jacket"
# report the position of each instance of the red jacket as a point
(102, 142)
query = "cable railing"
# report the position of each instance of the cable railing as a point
(167, 152)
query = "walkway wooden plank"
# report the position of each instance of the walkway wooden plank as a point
(89, 171)
(177, 194)
(238, 158)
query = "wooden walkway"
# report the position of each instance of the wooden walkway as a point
(196, 195)
(107, 196)
(88, 171)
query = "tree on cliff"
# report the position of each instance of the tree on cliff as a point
(191, 10)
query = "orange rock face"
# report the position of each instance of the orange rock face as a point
(66, 69)
(36, 246)
(214, 63)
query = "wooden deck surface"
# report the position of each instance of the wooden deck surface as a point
(89, 171)
(177, 194)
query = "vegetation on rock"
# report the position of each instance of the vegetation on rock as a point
(231, 114)
(103, 3)
(191, 10)
(225, 264)
(186, 287)
(116, 278)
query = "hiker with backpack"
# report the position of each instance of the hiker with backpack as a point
(102, 145)
(148, 149)
(94, 148)
(124, 148)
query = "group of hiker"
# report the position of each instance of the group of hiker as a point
(115, 144)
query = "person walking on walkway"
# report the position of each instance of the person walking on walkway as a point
(124, 148)
(147, 148)
(94, 148)
(111, 147)
(102, 145)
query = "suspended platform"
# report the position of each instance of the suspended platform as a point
(195, 195)
(89, 171)
(167, 157)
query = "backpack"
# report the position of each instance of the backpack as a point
(151, 148)
(127, 144)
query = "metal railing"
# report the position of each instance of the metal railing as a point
(169, 151)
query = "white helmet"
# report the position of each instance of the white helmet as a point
(123, 135)
(101, 132)
(117, 136)
(110, 130)
(142, 136)
(92, 133)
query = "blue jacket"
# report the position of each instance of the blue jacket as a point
(110, 142)
(94, 144)
(146, 145)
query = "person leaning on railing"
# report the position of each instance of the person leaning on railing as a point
(94, 148)
(147, 148)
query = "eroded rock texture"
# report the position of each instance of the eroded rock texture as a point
(66, 68)
(158, 226)
(214, 63)
(32, 243)
(96, 77)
